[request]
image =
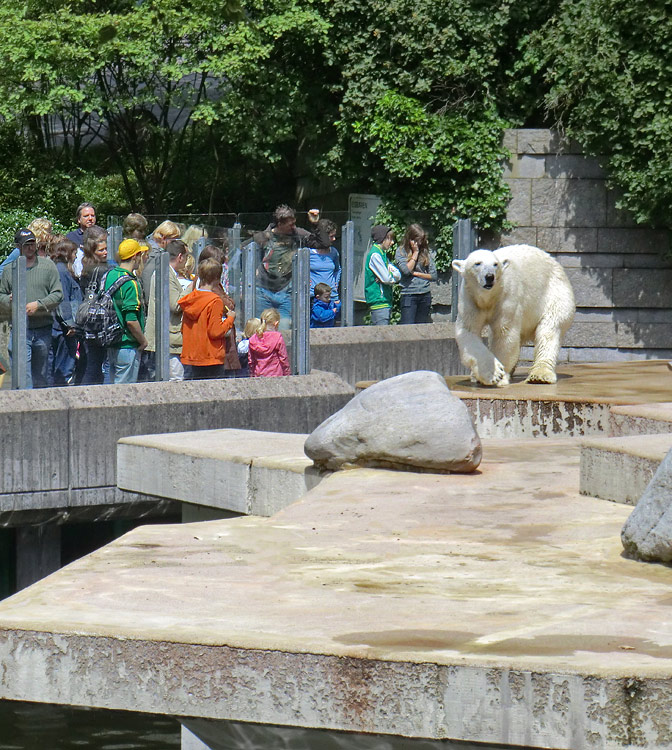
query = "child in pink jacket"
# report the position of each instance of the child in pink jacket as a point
(267, 355)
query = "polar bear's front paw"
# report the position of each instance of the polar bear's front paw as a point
(494, 374)
(500, 376)
(542, 374)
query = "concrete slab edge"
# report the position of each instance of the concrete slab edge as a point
(498, 705)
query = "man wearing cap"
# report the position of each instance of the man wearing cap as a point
(380, 276)
(43, 294)
(124, 357)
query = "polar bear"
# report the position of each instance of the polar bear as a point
(523, 295)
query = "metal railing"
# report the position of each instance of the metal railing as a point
(19, 326)
(162, 318)
(244, 258)
(300, 359)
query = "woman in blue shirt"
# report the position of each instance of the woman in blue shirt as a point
(325, 262)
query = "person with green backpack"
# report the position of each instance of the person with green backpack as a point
(124, 355)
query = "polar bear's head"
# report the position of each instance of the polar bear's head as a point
(481, 268)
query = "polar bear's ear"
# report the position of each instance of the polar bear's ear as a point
(458, 265)
(505, 263)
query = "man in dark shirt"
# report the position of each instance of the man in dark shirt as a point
(86, 217)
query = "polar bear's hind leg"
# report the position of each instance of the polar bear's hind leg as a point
(546, 349)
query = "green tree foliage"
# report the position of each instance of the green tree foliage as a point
(607, 69)
(146, 79)
(422, 90)
(223, 104)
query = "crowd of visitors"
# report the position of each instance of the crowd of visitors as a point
(66, 275)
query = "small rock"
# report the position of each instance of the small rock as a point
(410, 422)
(647, 534)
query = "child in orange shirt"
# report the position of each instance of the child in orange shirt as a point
(204, 326)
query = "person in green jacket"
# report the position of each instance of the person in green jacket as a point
(380, 276)
(124, 357)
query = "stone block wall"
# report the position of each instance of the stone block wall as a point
(622, 280)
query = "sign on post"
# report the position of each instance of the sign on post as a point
(361, 209)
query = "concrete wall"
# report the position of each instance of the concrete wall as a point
(59, 444)
(374, 353)
(560, 202)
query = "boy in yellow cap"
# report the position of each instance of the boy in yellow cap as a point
(124, 357)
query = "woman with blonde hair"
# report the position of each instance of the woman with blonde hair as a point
(267, 354)
(42, 229)
(167, 230)
(192, 234)
(161, 236)
(417, 268)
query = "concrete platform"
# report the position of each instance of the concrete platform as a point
(612, 383)
(620, 468)
(240, 471)
(494, 607)
(588, 399)
(86, 422)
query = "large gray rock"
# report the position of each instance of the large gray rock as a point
(647, 534)
(411, 422)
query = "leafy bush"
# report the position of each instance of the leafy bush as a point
(606, 66)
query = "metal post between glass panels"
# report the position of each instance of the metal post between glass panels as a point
(162, 318)
(114, 237)
(250, 256)
(235, 270)
(301, 312)
(197, 249)
(348, 274)
(19, 325)
(464, 241)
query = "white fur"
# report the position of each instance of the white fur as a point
(529, 300)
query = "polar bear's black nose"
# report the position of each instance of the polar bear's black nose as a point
(489, 279)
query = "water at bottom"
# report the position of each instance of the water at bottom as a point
(37, 726)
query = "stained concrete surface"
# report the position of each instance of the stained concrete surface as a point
(493, 607)
(496, 607)
(612, 383)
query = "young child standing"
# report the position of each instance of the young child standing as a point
(323, 312)
(244, 346)
(267, 352)
(203, 325)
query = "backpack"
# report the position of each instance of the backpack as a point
(97, 315)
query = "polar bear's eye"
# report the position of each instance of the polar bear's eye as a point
(478, 263)
(494, 265)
